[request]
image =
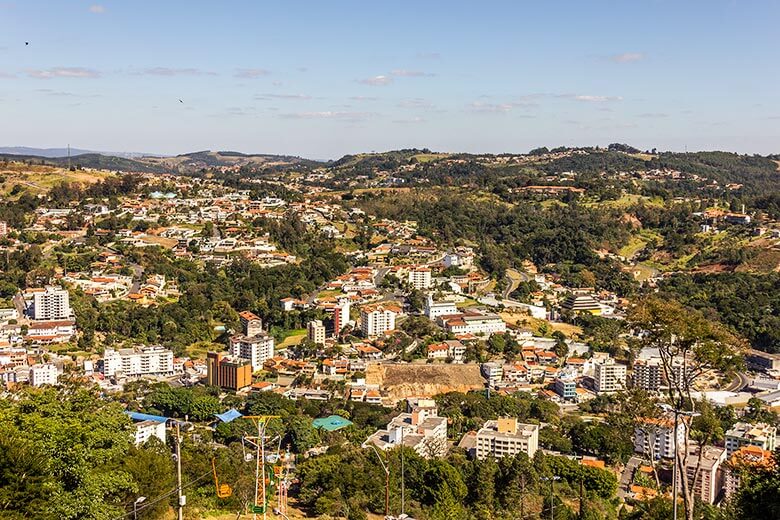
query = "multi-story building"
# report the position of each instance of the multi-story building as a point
(609, 376)
(746, 434)
(341, 315)
(420, 277)
(315, 332)
(493, 372)
(378, 319)
(45, 374)
(746, 458)
(251, 324)
(148, 426)
(758, 360)
(708, 481)
(226, 372)
(566, 387)
(435, 309)
(654, 437)
(3, 228)
(256, 349)
(51, 304)
(474, 323)
(135, 362)
(648, 374)
(420, 428)
(581, 302)
(507, 437)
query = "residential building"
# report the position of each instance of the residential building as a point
(315, 332)
(227, 372)
(420, 428)
(420, 277)
(709, 481)
(746, 458)
(52, 304)
(609, 376)
(135, 362)
(758, 360)
(341, 315)
(493, 372)
(378, 319)
(654, 437)
(648, 374)
(435, 309)
(255, 349)
(45, 374)
(581, 303)
(507, 437)
(251, 324)
(566, 387)
(474, 323)
(746, 434)
(451, 349)
(148, 426)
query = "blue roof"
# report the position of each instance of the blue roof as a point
(137, 416)
(230, 415)
(331, 423)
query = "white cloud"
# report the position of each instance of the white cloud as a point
(653, 115)
(283, 96)
(587, 98)
(63, 72)
(363, 98)
(97, 9)
(403, 73)
(174, 71)
(343, 116)
(410, 121)
(251, 73)
(377, 81)
(415, 103)
(627, 57)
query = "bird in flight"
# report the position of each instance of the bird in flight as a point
(180, 101)
(27, 43)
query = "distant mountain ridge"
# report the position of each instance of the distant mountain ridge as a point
(63, 152)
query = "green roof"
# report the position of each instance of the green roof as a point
(331, 423)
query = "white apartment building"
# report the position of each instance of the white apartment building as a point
(507, 437)
(378, 319)
(435, 309)
(475, 324)
(420, 429)
(51, 304)
(46, 374)
(256, 349)
(315, 332)
(135, 362)
(493, 372)
(655, 437)
(420, 277)
(609, 376)
(648, 374)
(746, 434)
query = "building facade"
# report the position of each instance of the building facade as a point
(506, 437)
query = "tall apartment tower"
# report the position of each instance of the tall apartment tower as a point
(51, 304)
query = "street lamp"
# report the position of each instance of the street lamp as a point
(552, 493)
(135, 506)
(677, 413)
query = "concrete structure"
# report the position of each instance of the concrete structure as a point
(420, 277)
(251, 324)
(566, 388)
(758, 360)
(315, 332)
(654, 437)
(746, 458)
(709, 480)
(145, 430)
(43, 375)
(507, 437)
(580, 302)
(648, 374)
(609, 376)
(420, 429)
(226, 372)
(255, 349)
(746, 434)
(475, 323)
(378, 319)
(435, 309)
(341, 315)
(52, 304)
(493, 372)
(135, 362)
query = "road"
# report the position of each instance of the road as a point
(740, 381)
(515, 277)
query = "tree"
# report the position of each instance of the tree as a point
(685, 338)
(758, 497)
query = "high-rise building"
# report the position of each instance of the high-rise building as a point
(378, 319)
(315, 332)
(746, 434)
(420, 277)
(341, 315)
(251, 324)
(255, 349)
(226, 372)
(648, 374)
(609, 376)
(46, 374)
(135, 362)
(51, 304)
(507, 437)
(654, 437)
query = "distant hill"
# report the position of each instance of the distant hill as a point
(63, 152)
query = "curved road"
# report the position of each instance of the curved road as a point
(515, 277)
(739, 382)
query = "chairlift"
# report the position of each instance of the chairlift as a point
(223, 490)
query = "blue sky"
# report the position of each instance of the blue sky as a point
(325, 78)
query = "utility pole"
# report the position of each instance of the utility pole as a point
(403, 487)
(552, 493)
(259, 442)
(386, 469)
(182, 498)
(581, 493)
(522, 497)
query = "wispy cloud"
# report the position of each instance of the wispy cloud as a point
(63, 72)
(403, 73)
(587, 98)
(653, 115)
(7, 75)
(376, 81)
(429, 55)
(416, 103)
(363, 98)
(342, 116)
(627, 57)
(251, 73)
(262, 97)
(490, 108)
(174, 71)
(409, 121)
(97, 9)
